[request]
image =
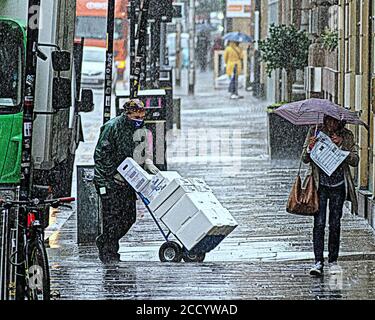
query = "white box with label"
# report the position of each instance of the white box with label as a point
(134, 174)
(158, 183)
(127, 165)
(149, 192)
(164, 176)
(138, 179)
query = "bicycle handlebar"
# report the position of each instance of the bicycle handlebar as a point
(35, 202)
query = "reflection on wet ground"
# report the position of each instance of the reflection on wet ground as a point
(88, 279)
(267, 257)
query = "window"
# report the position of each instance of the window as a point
(359, 38)
(346, 37)
(94, 55)
(96, 28)
(11, 75)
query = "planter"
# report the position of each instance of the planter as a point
(285, 140)
(366, 206)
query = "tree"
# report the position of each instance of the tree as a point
(286, 48)
(330, 39)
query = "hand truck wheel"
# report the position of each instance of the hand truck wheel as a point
(170, 251)
(189, 257)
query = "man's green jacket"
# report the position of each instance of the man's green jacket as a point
(118, 140)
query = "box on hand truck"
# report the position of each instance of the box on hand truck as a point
(187, 208)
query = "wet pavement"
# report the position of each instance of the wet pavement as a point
(266, 257)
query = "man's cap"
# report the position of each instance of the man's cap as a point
(134, 105)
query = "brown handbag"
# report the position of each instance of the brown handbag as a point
(303, 201)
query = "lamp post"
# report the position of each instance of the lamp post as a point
(191, 47)
(109, 62)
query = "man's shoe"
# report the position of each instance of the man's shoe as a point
(234, 96)
(334, 268)
(105, 254)
(317, 269)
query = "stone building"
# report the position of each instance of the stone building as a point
(341, 68)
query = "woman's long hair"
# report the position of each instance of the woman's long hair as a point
(341, 123)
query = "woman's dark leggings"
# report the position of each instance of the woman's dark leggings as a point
(336, 197)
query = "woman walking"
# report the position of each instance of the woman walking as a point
(332, 190)
(233, 57)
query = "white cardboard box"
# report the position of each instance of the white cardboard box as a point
(182, 218)
(149, 192)
(138, 179)
(164, 176)
(126, 165)
(202, 224)
(173, 199)
(200, 184)
(134, 174)
(185, 208)
(169, 190)
(229, 223)
(158, 182)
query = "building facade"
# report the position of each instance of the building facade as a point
(341, 68)
(345, 74)
(356, 88)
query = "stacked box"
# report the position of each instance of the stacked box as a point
(198, 215)
(158, 183)
(170, 195)
(126, 165)
(133, 173)
(201, 225)
(187, 207)
(163, 178)
(200, 184)
(149, 192)
(183, 210)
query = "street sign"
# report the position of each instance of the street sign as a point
(239, 8)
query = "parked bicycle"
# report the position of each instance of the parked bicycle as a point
(32, 262)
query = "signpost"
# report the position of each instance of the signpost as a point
(28, 117)
(139, 39)
(109, 61)
(191, 88)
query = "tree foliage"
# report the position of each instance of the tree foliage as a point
(330, 39)
(285, 48)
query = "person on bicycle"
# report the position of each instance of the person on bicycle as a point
(118, 140)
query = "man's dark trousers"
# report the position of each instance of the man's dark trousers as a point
(118, 208)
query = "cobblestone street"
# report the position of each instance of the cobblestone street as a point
(266, 257)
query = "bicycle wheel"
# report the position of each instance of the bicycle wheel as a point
(38, 272)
